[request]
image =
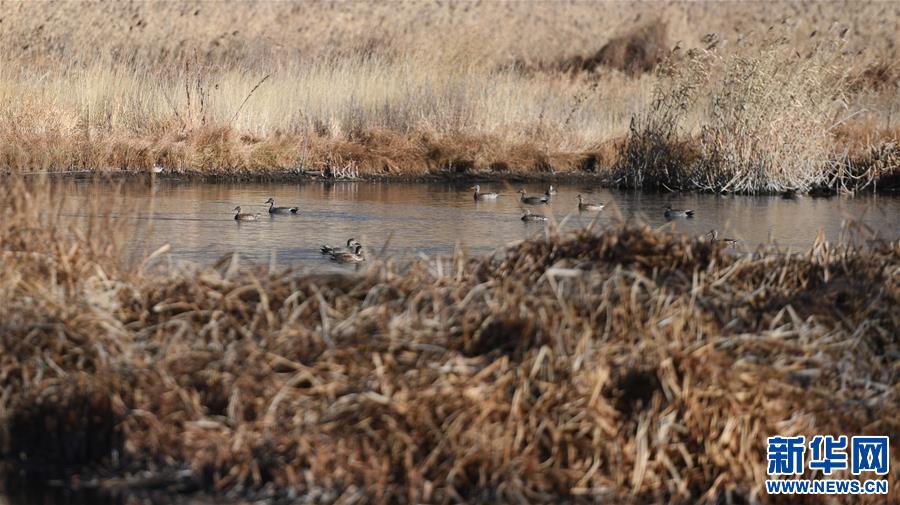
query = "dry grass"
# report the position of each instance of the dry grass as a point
(766, 119)
(279, 88)
(629, 366)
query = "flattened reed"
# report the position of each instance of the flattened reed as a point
(629, 365)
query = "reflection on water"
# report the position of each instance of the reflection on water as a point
(405, 219)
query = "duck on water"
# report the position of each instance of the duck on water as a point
(534, 200)
(714, 237)
(483, 196)
(673, 213)
(279, 210)
(240, 216)
(351, 242)
(587, 206)
(528, 216)
(354, 256)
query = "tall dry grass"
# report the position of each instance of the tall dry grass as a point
(629, 366)
(759, 120)
(404, 88)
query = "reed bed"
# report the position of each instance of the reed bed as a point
(768, 125)
(487, 89)
(628, 365)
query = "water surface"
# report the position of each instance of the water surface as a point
(409, 219)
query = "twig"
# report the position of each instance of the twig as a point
(248, 97)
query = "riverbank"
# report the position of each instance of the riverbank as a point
(627, 364)
(873, 167)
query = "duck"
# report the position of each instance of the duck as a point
(483, 196)
(279, 210)
(714, 236)
(673, 213)
(244, 217)
(589, 207)
(354, 256)
(528, 216)
(534, 200)
(327, 249)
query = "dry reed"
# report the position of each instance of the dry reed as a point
(457, 89)
(766, 121)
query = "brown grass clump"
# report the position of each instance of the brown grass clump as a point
(630, 365)
(633, 53)
(876, 76)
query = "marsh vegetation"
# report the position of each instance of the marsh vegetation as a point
(732, 97)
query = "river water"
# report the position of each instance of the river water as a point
(404, 220)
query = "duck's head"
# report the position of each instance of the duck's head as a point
(351, 242)
(476, 187)
(669, 207)
(270, 200)
(522, 191)
(579, 198)
(357, 249)
(237, 209)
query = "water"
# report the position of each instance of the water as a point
(409, 219)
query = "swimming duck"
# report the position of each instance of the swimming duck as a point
(349, 257)
(244, 217)
(279, 210)
(483, 196)
(534, 200)
(528, 216)
(588, 207)
(327, 249)
(714, 236)
(673, 213)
